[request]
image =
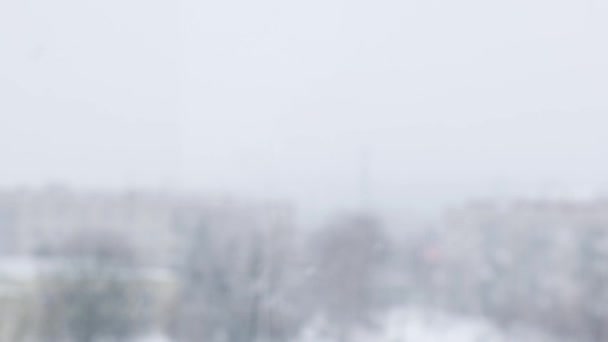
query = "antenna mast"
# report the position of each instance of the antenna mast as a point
(365, 179)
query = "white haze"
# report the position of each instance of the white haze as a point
(270, 98)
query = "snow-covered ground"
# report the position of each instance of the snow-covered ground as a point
(410, 325)
(152, 337)
(416, 325)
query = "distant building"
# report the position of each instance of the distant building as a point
(539, 245)
(39, 221)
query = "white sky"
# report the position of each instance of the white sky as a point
(278, 98)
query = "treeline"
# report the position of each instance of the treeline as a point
(542, 265)
(236, 278)
(239, 278)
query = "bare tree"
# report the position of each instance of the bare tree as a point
(231, 276)
(594, 282)
(347, 258)
(91, 292)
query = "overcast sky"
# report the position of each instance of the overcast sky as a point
(275, 98)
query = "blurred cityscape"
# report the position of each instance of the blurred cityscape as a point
(87, 266)
(303, 171)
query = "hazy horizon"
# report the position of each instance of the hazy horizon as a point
(275, 99)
